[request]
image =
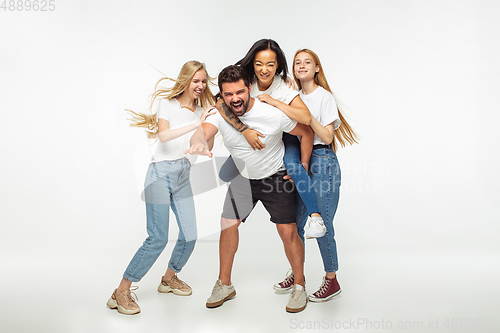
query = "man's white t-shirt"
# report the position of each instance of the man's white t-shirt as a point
(177, 117)
(268, 120)
(322, 106)
(277, 90)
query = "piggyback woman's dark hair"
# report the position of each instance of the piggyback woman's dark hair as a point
(260, 45)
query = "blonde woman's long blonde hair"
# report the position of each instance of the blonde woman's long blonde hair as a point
(344, 134)
(183, 81)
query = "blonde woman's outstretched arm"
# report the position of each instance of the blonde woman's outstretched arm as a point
(166, 134)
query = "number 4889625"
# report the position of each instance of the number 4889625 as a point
(28, 5)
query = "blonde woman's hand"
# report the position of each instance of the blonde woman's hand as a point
(290, 83)
(252, 137)
(207, 112)
(267, 99)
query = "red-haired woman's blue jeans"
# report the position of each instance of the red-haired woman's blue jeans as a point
(324, 170)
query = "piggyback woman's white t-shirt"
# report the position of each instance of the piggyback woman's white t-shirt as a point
(277, 90)
(177, 117)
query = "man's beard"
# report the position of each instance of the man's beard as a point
(243, 109)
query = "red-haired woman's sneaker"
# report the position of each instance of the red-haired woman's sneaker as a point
(285, 285)
(328, 289)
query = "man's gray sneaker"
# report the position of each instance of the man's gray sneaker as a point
(220, 294)
(298, 299)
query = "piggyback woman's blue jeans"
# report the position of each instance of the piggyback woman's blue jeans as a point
(294, 167)
(166, 186)
(324, 170)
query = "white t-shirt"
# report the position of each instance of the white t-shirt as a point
(257, 164)
(322, 106)
(277, 90)
(177, 116)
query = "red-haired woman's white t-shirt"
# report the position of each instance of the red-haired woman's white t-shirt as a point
(323, 107)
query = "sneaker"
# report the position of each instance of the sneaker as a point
(175, 285)
(124, 302)
(328, 289)
(315, 228)
(298, 299)
(220, 294)
(287, 284)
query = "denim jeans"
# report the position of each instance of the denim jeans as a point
(167, 186)
(324, 170)
(296, 170)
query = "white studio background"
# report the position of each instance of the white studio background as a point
(419, 193)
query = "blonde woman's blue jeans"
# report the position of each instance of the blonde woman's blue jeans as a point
(167, 186)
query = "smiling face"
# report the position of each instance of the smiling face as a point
(236, 96)
(197, 85)
(265, 65)
(304, 67)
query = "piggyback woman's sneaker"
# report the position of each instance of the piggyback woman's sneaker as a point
(328, 289)
(314, 228)
(124, 302)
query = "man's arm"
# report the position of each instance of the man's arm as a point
(306, 142)
(205, 133)
(229, 117)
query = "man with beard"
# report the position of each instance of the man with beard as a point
(261, 179)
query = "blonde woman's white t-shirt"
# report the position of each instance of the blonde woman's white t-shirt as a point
(277, 90)
(177, 117)
(323, 107)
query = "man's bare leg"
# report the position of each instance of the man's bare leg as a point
(294, 249)
(228, 245)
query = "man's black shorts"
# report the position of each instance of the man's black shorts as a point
(276, 194)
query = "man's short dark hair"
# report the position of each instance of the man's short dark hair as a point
(232, 74)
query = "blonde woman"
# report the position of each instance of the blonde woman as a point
(167, 184)
(330, 129)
